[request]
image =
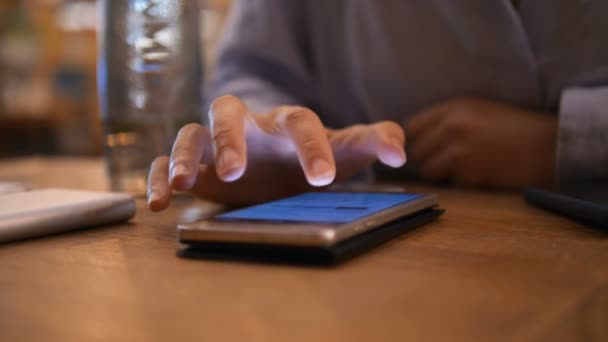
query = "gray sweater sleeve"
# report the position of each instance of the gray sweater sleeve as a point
(582, 149)
(262, 55)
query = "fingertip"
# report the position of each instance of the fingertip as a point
(230, 164)
(393, 155)
(231, 174)
(393, 161)
(182, 177)
(155, 207)
(322, 173)
(157, 202)
(323, 180)
(182, 182)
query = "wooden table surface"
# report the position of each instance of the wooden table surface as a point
(491, 269)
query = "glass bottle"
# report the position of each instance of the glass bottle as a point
(149, 82)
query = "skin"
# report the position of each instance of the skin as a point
(481, 143)
(245, 158)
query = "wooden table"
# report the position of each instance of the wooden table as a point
(491, 269)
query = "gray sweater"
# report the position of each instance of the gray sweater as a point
(356, 61)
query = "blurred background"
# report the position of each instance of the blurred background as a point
(48, 58)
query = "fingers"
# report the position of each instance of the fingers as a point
(159, 191)
(247, 190)
(188, 150)
(364, 144)
(227, 118)
(388, 141)
(309, 136)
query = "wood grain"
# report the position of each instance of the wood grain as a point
(492, 269)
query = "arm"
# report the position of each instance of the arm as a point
(262, 57)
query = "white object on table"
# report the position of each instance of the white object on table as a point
(10, 187)
(48, 211)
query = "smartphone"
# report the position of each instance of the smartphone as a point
(315, 219)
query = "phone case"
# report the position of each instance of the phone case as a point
(311, 256)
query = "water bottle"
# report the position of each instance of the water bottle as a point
(149, 82)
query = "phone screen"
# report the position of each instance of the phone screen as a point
(321, 207)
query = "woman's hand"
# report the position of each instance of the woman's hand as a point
(245, 158)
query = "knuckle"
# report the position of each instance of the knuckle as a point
(227, 104)
(286, 109)
(309, 143)
(391, 128)
(159, 162)
(360, 133)
(299, 115)
(224, 100)
(188, 129)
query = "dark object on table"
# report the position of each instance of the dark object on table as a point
(587, 204)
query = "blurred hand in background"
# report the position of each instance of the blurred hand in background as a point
(484, 143)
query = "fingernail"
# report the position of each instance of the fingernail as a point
(228, 160)
(398, 145)
(321, 172)
(179, 170)
(394, 156)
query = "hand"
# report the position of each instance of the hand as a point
(482, 143)
(247, 158)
